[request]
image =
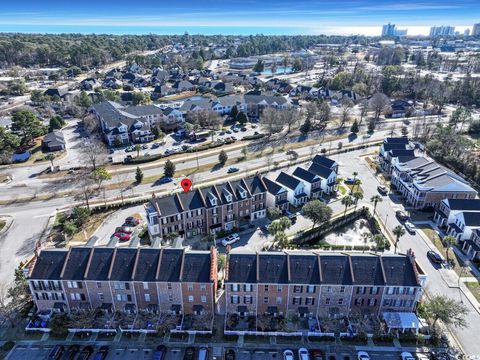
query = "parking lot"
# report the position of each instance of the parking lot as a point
(143, 352)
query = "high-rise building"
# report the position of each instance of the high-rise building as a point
(476, 30)
(442, 31)
(391, 30)
(466, 32)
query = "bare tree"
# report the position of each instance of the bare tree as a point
(272, 120)
(91, 123)
(205, 119)
(346, 107)
(94, 154)
(7, 306)
(290, 117)
(379, 103)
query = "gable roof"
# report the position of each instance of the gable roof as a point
(146, 265)
(320, 170)
(99, 264)
(196, 267)
(287, 180)
(305, 175)
(463, 204)
(123, 263)
(76, 263)
(273, 187)
(304, 269)
(324, 161)
(170, 265)
(272, 268)
(242, 268)
(399, 271)
(471, 218)
(367, 270)
(48, 265)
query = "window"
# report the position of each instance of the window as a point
(342, 289)
(100, 296)
(327, 301)
(234, 287)
(372, 302)
(190, 298)
(309, 301)
(374, 290)
(145, 286)
(247, 299)
(118, 285)
(266, 288)
(169, 286)
(203, 299)
(147, 297)
(340, 301)
(297, 289)
(265, 300)
(170, 298)
(279, 288)
(390, 290)
(234, 299)
(329, 289)
(190, 287)
(359, 301)
(203, 287)
(279, 300)
(310, 289)
(248, 288)
(99, 285)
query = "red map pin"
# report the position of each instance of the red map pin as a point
(186, 184)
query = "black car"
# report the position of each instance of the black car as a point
(401, 215)
(85, 353)
(72, 351)
(434, 257)
(56, 352)
(189, 353)
(101, 353)
(160, 353)
(230, 354)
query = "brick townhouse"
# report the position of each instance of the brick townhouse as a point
(424, 183)
(125, 279)
(310, 284)
(207, 210)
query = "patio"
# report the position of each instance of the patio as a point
(198, 322)
(234, 322)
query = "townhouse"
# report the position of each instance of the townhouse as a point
(312, 182)
(276, 195)
(296, 194)
(122, 125)
(392, 148)
(173, 281)
(324, 285)
(424, 183)
(325, 162)
(327, 178)
(208, 210)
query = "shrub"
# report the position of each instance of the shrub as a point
(253, 137)
(8, 345)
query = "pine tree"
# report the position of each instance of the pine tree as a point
(354, 129)
(139, 175)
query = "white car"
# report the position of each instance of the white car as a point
(230, 239)
(410, 227)
(303, 354)
(288, 355)
(422, 357)
(407, 356)
(363, 355)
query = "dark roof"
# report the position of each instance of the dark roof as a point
(196, 267)
(123, 263)
(99, 264)
(76, 263)
(472, 218)
(273, 269)
(242, 268)
(335, 270)
(324, 161)
(255, 185)
(192, 200)
(48, 265)
(463, 204)
(306, 175)
(169, 205)
(401, 152)
(304, 269)
(54, 138)
(399, 271)
(456, 228)
(398, 140)
(170, 265)
(394, 146)
(367, 270)
(146, 269)
(273, 187)
(287, 180)
(320, 170)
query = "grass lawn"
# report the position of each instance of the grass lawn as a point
(92, 224)
(474, 288)
(432, 235)
(2, 224)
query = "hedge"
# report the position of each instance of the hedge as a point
(253, 137)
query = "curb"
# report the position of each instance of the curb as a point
(9, 222)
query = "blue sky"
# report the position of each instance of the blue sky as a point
(234, 16)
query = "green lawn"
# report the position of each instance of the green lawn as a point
(2, 224)
(474, 288)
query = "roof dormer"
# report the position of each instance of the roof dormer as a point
(212, 198)
(227, 194)
(242, 191)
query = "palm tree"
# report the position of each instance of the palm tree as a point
(347, 201)
(137, 149)
(357, 195)
(398, 231)
(212, 134)
(379, 241)
(375, 199)
(50, 157)
(449, 241)
(161, 137)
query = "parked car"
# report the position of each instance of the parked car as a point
(101, 353)
(56, 352)
(316, 354)
(128, 157)
(382, 189)
(230, 239)
(229, 132)
(132, 221)
(243, 129)
(363, 355)
(254, 126)
(367, 136)
(407, 356)
(422, 356)
(155, 146)
(160, 353)
(189, 353)
(350, 180)
(202, 354)
(72, 351)
(126, 229)
(410, 227)
(401, 215)
(434, 257)
(235, 130)
(122, 236)
(288, 355)
(85, 353)
(165, 180)
(303, 354)
(230, 354)
(232, 170)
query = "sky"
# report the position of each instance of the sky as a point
(234, 17)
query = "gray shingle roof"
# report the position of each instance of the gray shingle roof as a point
(99, 264)
(123, 264)
(273, 187)
(304, 269)
(472, 218)
(48, 265)
(399, 271)
(242, 268)
(273, 268)
(146, 269)
(324, 161)
(196, 267)
(76, 263)
(335, 270)
(305, 175)
(463, 204)
(170, 266)
(287, 180)
(320, 170)
(367, 270)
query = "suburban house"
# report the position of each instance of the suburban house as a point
(296, 194)
(173, 281)
(61, 93)
(401, 108)
(424, 183)
(464, 225)
(276, 195)
(312, 182)
(327, 176)
(54, 141)
(320, 285)
(88, 84)
(325, 162)
(122, 125)
(224, 207)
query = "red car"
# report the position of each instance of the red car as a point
(124, 229)
(122, 236)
